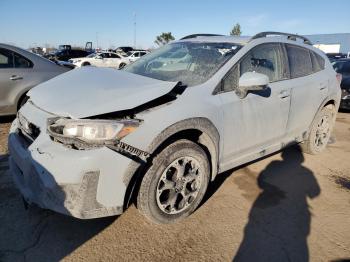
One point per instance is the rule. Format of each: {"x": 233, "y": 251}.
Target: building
{"x": 331, "y": 43}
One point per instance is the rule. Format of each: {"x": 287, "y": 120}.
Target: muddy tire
{"x": 175, "y": 184}
{"x": 320, "y": 131}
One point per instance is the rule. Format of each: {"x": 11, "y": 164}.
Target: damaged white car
{"x": 92, "y": 141}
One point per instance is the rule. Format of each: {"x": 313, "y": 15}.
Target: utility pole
{"x": 135, "y": 30}
{"x": 96, "y": 40}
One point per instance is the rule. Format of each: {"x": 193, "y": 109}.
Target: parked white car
{"x": 102, "y": 59}
{"x": 131, "y": 57}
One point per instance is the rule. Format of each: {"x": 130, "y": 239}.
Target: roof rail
{"x": 196, "y": 35}
{"x": 289, "y": 36}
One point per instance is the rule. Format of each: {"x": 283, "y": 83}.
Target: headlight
{"x": 92, "y": 130}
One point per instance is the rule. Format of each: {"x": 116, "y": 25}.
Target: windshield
{"x": 189, "y": 62}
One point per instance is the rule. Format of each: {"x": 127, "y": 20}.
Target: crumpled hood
{"x": 91, "y": 91}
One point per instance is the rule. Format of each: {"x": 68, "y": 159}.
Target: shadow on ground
{"x": 36, "y": 234}
{"x": 280, "y": 217}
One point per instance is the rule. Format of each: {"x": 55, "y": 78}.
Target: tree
{"x": 164, "y": 38}
{"x": 236, "y": 30}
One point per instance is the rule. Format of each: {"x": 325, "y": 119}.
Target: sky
{"x": 28, "y": 23}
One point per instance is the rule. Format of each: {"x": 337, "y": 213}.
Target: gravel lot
{"x": 287, "y": 207}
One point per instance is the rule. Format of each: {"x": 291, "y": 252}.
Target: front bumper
{"x": 79, "y": 183}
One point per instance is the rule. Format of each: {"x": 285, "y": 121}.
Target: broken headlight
{"x": 95, "y": 131}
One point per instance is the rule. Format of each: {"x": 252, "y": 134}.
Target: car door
{"x": 15, "y": 76}
{"x": 309, "y": 87}
{"x": 114, "y": 60}
{"x": 259, "y": 120}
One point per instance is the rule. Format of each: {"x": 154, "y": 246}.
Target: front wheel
{"x": 320, "y": 131}
{"x": 175, "y": 184}
{"x": 122, "y": 65}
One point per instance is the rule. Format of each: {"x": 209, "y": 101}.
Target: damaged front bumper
{"x": 80, "y": 183}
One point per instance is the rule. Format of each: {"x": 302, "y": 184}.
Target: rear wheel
{"x": 320, "y": 131}
{"x": 175, "y": 184}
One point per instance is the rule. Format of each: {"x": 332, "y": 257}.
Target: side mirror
{"x": 250, "y": 81}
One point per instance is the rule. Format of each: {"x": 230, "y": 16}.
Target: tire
{"x": 187, "y": 188}
{"x": 85, "y": 64}
{"x": 122, "y": 65}
{"x": 320, "y": 131}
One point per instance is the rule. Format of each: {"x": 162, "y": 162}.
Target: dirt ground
{"x": 287, "y": 207}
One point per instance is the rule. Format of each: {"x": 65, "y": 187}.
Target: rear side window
{"x": 6, "y": 58}
{"x": 299, "y": 61}
{"x": 317, "y": 62}
{"x": 21, "y": 62}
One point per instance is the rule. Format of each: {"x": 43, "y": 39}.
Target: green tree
{"x": 164, "y": 38}
{"x": 236, "y": 30}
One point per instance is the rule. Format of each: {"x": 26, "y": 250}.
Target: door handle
{"x": 15, "y": 77}
{"x": 322, "y": 87}
{"x": 284, "y": 94}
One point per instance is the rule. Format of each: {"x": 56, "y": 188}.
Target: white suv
{"x": 90, "y": 140}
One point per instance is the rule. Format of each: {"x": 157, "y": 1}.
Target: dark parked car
{"x": 342, "y": 66}
{"x": 66, "y": 54}
{"x": 124, "y": 49}
{"x": 335, "y": 56}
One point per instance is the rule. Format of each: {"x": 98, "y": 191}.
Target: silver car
{"x": 21, "y": 70}
{"x": 90, "y": 142}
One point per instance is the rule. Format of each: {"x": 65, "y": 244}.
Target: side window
{"x": 299, "y": 61}
{"x": 114, "y": 55}
{"x": 231, "y": 80}
{"x": 6, "y": 58}
{"x": 137, "y": 54}
{"x": 21, "y": 62}
{"x": 264, "y": 59}
{"x": 317, "y": 62}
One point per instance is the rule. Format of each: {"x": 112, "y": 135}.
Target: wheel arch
{"x": 198, "y": 130}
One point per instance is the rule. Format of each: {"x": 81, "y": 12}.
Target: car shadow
{"x": 36, "y": 234}
{"x": 6, "y": 119}
{"x": 280, "y": 217}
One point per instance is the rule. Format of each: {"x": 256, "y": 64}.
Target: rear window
{"x": 317, "y": 62}
{"x": 21, "y": 62}
{"x": 6, "y": 59}
{"x": 299, "y": 61}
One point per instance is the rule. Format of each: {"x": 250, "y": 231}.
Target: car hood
{"x": 91, "y": 91}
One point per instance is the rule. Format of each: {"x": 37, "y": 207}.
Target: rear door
{"x": 15, "y": 76}
{"x": 309, "y": 87}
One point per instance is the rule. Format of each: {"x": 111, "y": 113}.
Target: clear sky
{"x": 38, "y": 22}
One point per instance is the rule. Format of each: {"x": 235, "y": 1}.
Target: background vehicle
{"x": 162, "y": 135}
{"x": 335, "y": 56}
{"x": 66, "y": 54}
{"x": 103, "y": 59}
{"x": 124, "y": 49}
{"x": 21, "y": 70}
{"x": 342, "y": 66}
{"x": 132, "y": 56}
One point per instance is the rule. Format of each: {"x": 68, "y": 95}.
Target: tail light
{"x": 339, "y": 78}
